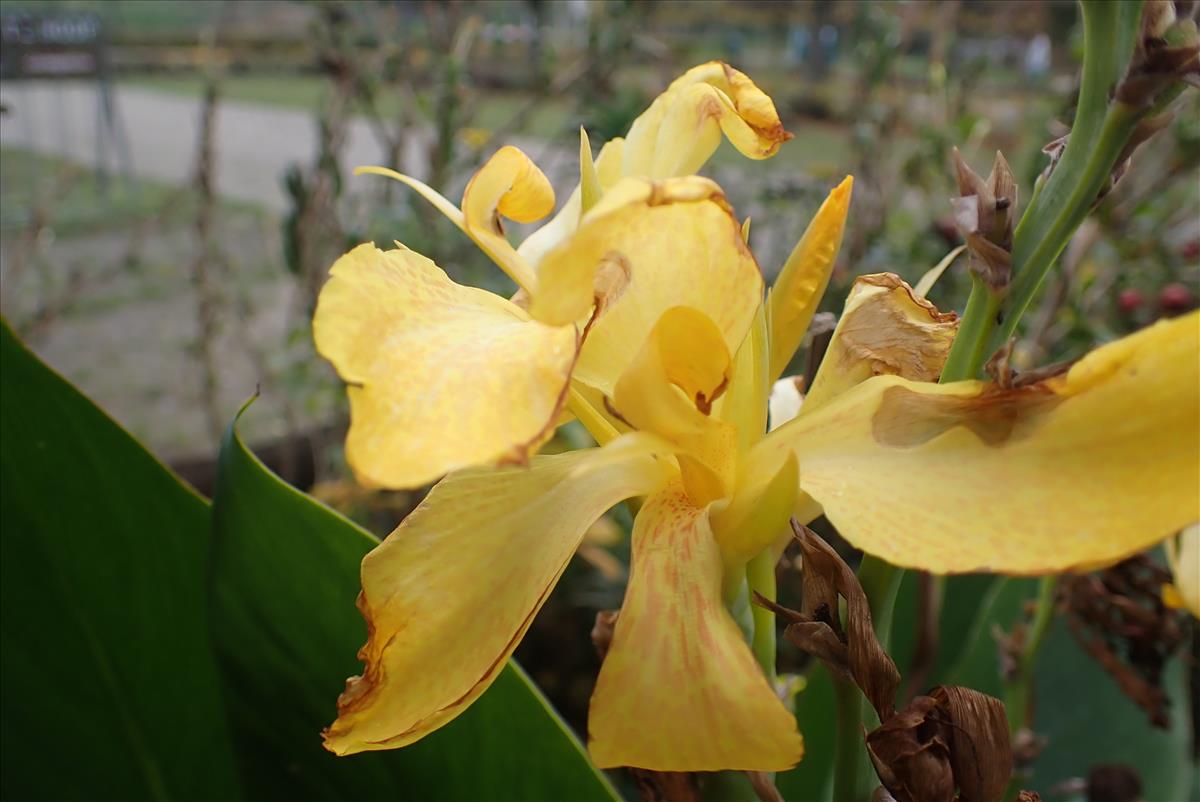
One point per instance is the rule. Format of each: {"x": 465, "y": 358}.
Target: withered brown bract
{"x": 950, "y": 744}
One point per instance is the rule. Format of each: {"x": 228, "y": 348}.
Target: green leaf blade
{"x": 110, "y": 690}
{"x": 285, "y": 579}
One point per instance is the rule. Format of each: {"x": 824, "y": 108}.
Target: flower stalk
{"x": 1099, "y": 141}
{"x": 1104, "y": 134}
{"x": 1018, "y": 692}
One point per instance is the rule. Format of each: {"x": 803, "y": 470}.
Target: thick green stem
{"x": 760, "y": 576}
{"x": 848, "y": 757}
{"x": 1061, "y": 203}
{"x": 967, "y": 352}
{"x": 1119, "y": 124}
{"x": 881, "y": 583}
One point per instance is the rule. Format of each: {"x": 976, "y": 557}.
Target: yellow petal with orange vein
{"x": 675, "y": 136}
{"x": 440, "y": 376}
{"x": 669, "y": 389}
{"x": 656, "y": 244}
{"x": 1072, "y": 472}
{"x": 451, "y": 592}
{"x": 679, "y": 689}
{"x": 885, "y": 329}
{"x": 797, "y": 292}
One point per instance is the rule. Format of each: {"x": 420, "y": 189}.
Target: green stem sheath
{"x": 1018, "y": 692}
{"x": 880, "y": 581}
{"x": 760, "y": 576}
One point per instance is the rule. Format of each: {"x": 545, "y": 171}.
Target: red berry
{"x": 1129, "y": 301}
{"x": 1190, "y": 249}
{"x": 1175, "y": 298}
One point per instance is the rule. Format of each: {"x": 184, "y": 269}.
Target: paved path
{"x": 255, "y": 143}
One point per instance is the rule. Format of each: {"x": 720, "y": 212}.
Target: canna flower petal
{"x": 651, "y": 245}
{"x": 683, "y": 126}
{"x": 885, "y": 329}
{"x": 1183, "y": 555}
{"x": 440, "y": 376}
{"x": 801, "y": 284}
{"x": 675, "y": 136}
{"x": 450, "y": 593}
{"x": 508, "y": 185}
{"x": 745, "y": 403}
{"x": 1071, "y": 472}
{"x": 679, "y": 689}
{"x": 669, "y": 390}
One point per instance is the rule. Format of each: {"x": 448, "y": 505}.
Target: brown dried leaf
{"x": 826, "y": 576}
{"x": 954, "y": 738}
{"x": 979, "y": 744}
{"x": 911, "y": 754}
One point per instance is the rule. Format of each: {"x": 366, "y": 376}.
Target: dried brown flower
{"x": 949, "y": 745}
{"x": 1119, "y": 617}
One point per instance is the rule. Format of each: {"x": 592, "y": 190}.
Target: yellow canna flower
{"x": 646, "y": 317}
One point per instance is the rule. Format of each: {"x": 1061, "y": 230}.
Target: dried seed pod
{"x": 1167, "y": 51}
{"x": 984, "y": 214}
{"x": 1119, "y": 617}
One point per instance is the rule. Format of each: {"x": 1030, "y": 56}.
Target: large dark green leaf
{"x": 285, "y": 580}
{"x": 1088, "y": 720}
{"x": 1079, "y": 707}
{"x": 109, "y": 686}
{"x": 812, "y": 780}
{"x": 1002, "y": 608}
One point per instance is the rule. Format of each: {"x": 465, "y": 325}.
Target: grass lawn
{"x": 79, "y": 200}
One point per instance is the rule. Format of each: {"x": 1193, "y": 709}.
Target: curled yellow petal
{"x": 669, "y": 390}
{"x": 440, "y": 376}
{"x": 451, "y": 592}
{"x": 797, "y": 292}
{"x": 679, "y": 689}
{"x": 683, "y": 126}
{"x": 675, "y": 136}
{"x": 672, "y": 243}
{"x": 1074, "y": 471}
{"x": 1183, "y": 555}
{"x": 508, "y": 185}
{"x": 885, "y": 328}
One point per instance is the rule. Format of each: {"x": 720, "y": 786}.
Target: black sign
{"x": 51, "y": 46}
